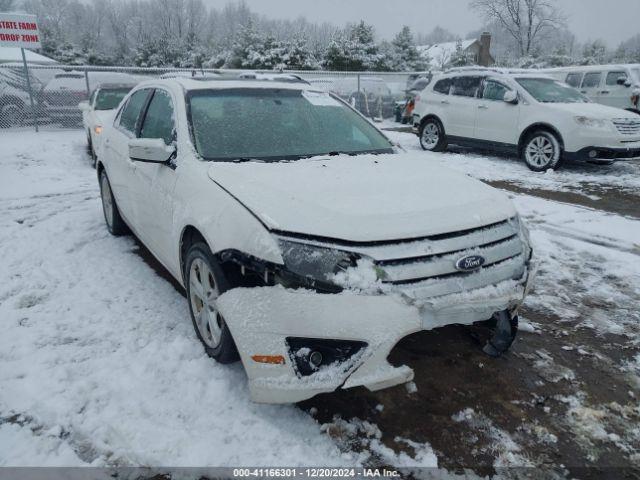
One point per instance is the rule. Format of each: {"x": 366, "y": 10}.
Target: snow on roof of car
{"x": 226, "y": 83}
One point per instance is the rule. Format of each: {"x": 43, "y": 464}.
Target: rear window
{"x": 443, "y": 86}
{"x": 574, "y": 79}
{"x": 466, "y": 86}
{"x": 591, "y": 80}
{"x": 108, "y": 99}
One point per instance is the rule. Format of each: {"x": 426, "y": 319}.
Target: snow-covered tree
{"x": 405, "y": 54}
{"x": 460, "y": 58}
{"x": 594, "y": 53}
{"x": 354, "y": 49}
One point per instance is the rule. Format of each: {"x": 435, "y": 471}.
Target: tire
{"x": 542, "y": 151}
{"x": 205, "y": 282}
{"x": 92, "y": 152}
{"x": 12, "y": 115}
{"x": 432, "y": 136}
{"x": 112, "y": 217}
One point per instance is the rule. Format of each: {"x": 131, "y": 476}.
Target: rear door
{"x": 615, "y": 93}
{"x": 592, "y": 85}
{"x": 574, "y": 79}
{"x": 463, "y": 107}
{"x": 120, "y": 168}
{"x": 154, "y": 182}
{"x": 496, "y": 120}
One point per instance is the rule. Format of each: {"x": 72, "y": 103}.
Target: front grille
{"x": 496, "y": 244}
{"x": 627, "y": 126}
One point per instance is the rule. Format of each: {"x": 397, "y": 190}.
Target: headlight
{"x": 525, "y": 237}
{"x": 318, "y": 263}
{"x": 592, "y": 122}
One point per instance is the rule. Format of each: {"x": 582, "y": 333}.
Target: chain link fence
{"x": 55, "y": 91}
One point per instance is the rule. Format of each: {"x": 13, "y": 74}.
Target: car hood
{"x": 362, "y": 198}
{"x": 103, "y": 117}
{"x": 593, "y": 110}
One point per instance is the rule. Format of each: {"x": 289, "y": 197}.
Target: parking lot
{"x": 101, "y": 365}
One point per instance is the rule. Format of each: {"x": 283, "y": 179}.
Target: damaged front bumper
{"x": 262, "y": 319}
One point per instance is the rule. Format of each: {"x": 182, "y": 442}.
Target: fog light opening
{"x": 593, "y": 154}
{"x": 315, "y": 359}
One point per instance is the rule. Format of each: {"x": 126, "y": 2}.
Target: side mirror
{"x": 84, "y": 106}
{"x": 628, "y": 84}
{"x": 150, "y": 150}
{"x": 511, "y": 97}
{"x": 623, "y": 81}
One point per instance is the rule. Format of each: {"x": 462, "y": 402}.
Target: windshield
{"x": 546, "y": 90}
{"x": 274, "y": 124}
{"x": 110, "y": 98}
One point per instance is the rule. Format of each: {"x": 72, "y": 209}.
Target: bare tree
{"x": 525, "y": 20}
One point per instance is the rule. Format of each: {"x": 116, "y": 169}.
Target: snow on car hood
{"x": 362, "y": 198}
{"x": 593, "y": 110}
{"x": 104, "y": 117}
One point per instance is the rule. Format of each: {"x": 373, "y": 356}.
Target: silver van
{"x": 613, "y": 85}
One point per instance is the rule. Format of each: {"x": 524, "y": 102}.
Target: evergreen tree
{"x": 406, "y": 55}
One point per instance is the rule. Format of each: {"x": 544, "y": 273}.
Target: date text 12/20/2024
{"x": 315, "y": 473}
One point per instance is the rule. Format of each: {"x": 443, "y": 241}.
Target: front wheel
{"x": 205, "y": 282}
{"x": 542, "y": 151}
{"x": 432, "y": 136}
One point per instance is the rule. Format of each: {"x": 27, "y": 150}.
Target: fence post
{"x": 34, "y": 115}
{"x": 86, "y": 81}
{"x": 358, "y": 84}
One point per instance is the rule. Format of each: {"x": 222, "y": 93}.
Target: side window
{"x": 159, "y": 119}
{"x": 443, "y": 86}
{"x": 591, "y": 80}
{"x": 131, "y": 111}
{"x": 494, "y": 90}
{"x": 612, "y": 77}
{"x": 93, "y": 97}
{"x": 466, "y": 86}
{"x": 574, "y": 79}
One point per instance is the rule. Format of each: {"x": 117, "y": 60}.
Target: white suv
{"x": 306, "y": 242}
{"x": 541, "y": 119}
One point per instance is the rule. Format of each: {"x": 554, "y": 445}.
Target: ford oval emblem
{"x": 470, "y": 263}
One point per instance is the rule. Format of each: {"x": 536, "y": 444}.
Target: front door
{"x": 155, "y": 182}
{"x": 496, "y": 120}
{"x": 615, "y": 92}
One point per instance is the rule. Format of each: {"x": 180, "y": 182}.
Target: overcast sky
{"x": 611, "y": 20}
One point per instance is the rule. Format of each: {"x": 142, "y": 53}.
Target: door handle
{"x": 583, "y": 91}
{"x": 605, "y": 92}
{"x": 444, "y": 102}
{"x": 483, "y": 107}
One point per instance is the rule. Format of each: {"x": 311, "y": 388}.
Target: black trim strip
{"x": 412, "y": 260}
{"x": 373, "y": 243}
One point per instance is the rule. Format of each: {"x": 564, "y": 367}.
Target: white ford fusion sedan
{"x": 307, "y": 243}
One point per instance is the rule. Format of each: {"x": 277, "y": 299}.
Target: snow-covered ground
{"x": 101, "y": 366}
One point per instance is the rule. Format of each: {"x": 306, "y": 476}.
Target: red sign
{"x": 19, "y": 30}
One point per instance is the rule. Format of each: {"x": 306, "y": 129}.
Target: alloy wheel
{"x": 107, "y": 201}
{"x": 540, "y": 151}
{"x": 430, "y": 136}
{"x": 203, "y": 293}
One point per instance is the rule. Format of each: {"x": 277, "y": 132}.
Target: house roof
{"x": 440, "y": 53}
{"x": 13, "y": 54}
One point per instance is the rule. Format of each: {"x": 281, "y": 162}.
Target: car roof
{"x": 494, "y": 72}
{"x": 190, "y": 84}
{"x": 593, "y": 68}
